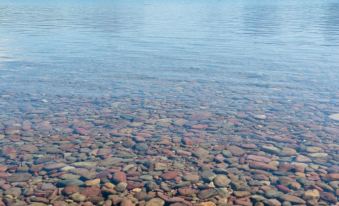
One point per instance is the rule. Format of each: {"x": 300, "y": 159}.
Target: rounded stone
{"x": 19, "y": 177}
{"x": 119, "y": 177}
{"x": 70, "y": 189}
{"x": 92, "y": 182}
{"x": 155, "y": 202}
{"x": 78, "y": 197}
{"x": 221, "y": 181}
{"x": 64, "y": 183}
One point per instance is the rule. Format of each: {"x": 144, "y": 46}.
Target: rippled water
{"x": 94, "y": 62}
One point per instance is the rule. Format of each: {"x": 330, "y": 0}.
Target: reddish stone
{"x": 283, "y": 188}
{"x": 9, "y": 152}
{"x": 5, "y": 186}
{"x": 245, "y": 201}
{"x": 333, "y": 176}
{"x": 201, "y": 116}
{"x": 219, "y": 158}
{"x": 93, "y": 191}
{"x": 4, "y": 175}
{"x": 183, "y": 153}
{"x": 119, "y": 177}
{"x": 169, "y": 175}
{"x": 186, "y": 191}
{"x": 168, "y": 153}
{"x": 132, "y": 185}
{"x": 285, "y": 167}
{"x": 70, "y": 189}
{"x": 187, "y": 141}
{"x": 200, "y": 126}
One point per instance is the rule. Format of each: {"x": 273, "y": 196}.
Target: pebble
{"x": 226, "y": 153}
{"x": 141, "y": 147}
{"x": 155, "y": 202}
{"x": 235, "y": 150}
{"x": 169, "y": 175}
{"x": 191, "y": 177}
{"x": 63, "y": 183}
{"x": 146, "y": 177}
{"x": 160, "y": 166}
{"x": 121, "y": 186}
{"x": 186, "y": 191}
{"x": 292, "y": 199}
{"x": 92, "y": 182}
{"x": 333, "y": 176}
{"x": 314, "y": 149}
{"x": 241, "y": 193}
{"x": 3, "y": 168}
{"x": 19, "y": 177}
{"x": 126, "y": 202}
{"x": 208, "y": 176}
{"x": 85, "y": 164}
{"x": 273, "y": 202}
{"x": 318, "y": 155}
{"x": 262, "y": 165}
{"x": 207, "y": 193}
{"x": 78, "y": 197}
{"x": 259, "y": 158}
{"x": 13, "y": 191}
{"x": 260, "y": 116}
{"x": 327, "y": 196}
{"x": 221, "y": 181}
{"x": 48, "y": 186}
{"x": 37, "y": 204}
{"x": 312, "y": 196}
{"x": 201, "y": 153}
{"x": 119, "y": 177}
{"x": 71, "y": 189}
{"x": 207, "y": 204}
{"x": 271, "y": 149}
{"x": 302, "y": 158}
{"x": 54, "y": 166}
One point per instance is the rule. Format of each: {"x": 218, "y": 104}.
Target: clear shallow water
{"x": 83, "y": 47}
{"x": 66, "y": 65}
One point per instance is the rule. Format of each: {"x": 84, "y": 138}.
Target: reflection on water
{"x": 189, "y": 102}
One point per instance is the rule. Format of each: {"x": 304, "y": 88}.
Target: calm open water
{"x": 110, "y": 63}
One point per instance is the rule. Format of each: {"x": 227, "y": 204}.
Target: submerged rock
{"x": 19, "y": 177}
{"x": 155, "y": 202}
{"x": 221, "y": 181}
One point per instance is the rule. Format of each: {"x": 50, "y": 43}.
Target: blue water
{"x": 82, "y": 47}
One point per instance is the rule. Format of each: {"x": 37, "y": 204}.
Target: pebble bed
{"x": 143, "y": 151}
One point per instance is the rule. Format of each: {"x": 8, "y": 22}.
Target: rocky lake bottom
{"x": 154, "y": 152}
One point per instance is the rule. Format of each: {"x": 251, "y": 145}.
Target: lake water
{"x": 166, "y": 95}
